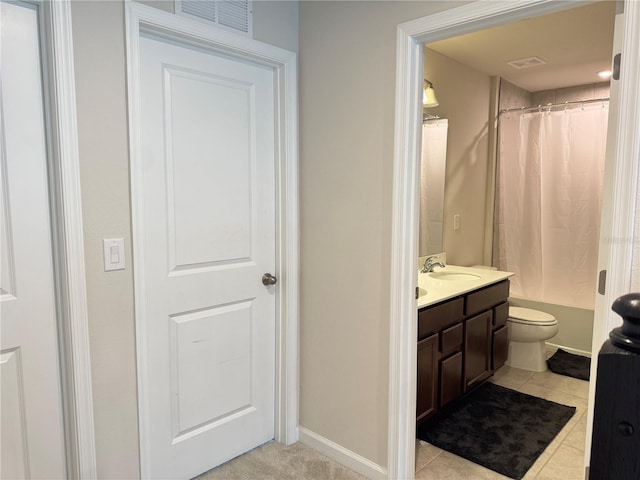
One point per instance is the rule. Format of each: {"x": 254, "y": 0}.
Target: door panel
{"x": 477, "y": 348}
{"x": 32, "y": 443}
{"x": 217, "y": 338}
{"x": 427, "y": 377}
{"x": 200, "y": 155}
{"x": 206, "y": 191}
{"x": 14, "y": 434}
{"x": 450, "y": 378}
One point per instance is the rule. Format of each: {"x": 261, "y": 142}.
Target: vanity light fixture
{"x": 429, "y": 95}
{"x": 605, "y": 74}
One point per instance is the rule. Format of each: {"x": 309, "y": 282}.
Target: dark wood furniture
{"x": 616, "y": 422}
{"x": 461, "y": 342}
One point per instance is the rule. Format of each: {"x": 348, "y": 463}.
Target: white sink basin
{"x": 452, "y": 281}
{"x": 455, "y": 276}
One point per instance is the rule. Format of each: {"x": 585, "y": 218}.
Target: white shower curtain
{"x": 550, "y": 174}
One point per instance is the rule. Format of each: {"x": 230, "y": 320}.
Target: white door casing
{"x": 409, "y": 79}
{"x": 32, "y": 421}
{"x": 602, "y": 322}
{"x": 214, "y": 208}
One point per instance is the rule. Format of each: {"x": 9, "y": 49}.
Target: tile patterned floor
{"x": 562, "y": 460}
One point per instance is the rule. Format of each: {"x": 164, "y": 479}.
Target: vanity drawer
{"x": 451, "y": 340}
{"x": 486, "y": 298}
{"x": 500, "y": 314}
{"x": 433, "y": 319}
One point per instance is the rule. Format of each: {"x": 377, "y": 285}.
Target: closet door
{"x": 32, "y": 443}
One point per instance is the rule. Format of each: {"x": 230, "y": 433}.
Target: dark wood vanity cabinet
{"x": 499, "y": 339}
{"x": 477, "y": 349}
{"x": 427, "y": 376}
{"x": 461, "y": 342}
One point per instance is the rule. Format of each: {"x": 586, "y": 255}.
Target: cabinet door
{"x": 450, "y": 378}
{"x": 500, "y": 347}
{"x": 477, "y": 348}
{"x": 427, "y": 377}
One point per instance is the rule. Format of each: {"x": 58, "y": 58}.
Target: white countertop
{"x": 439, "y": 289}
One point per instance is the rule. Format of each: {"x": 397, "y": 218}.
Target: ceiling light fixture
{"x": 429, "y": 95}
{"x": 605, "y": 74}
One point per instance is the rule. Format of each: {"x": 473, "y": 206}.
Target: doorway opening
{"x": 408, "y": 113}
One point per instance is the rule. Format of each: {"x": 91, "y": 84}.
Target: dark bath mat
{"x": 498, "y": 428}
{"x": 565, "y": 363}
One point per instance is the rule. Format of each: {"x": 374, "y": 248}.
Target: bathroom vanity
{"x": 462, "y": 333}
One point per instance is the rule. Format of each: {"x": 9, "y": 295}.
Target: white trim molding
{"x": 409, "y": 78}
{"x": 69, "y": 242}
{"x": 342, "y": 455}
{"x": 617, "y": 233}
{"x": 141, "y": 19}
{"x": 627, "y": 169}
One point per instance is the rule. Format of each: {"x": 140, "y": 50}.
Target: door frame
{"x": 67, "y": 235}
{"x": 408, "y": 117}
{"x": 140, "y": 19}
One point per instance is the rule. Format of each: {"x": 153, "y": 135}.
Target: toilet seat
{"x": 528, "y": 316}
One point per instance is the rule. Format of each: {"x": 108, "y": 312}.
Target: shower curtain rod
{"x": 553, "y": 105}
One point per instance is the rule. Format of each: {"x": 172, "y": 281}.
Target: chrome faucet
{"x": 429, "y": 264}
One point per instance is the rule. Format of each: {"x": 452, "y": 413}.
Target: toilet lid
{"x": 527, "y": 315}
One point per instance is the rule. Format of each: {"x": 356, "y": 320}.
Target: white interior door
{"x": 602, "y": 311}
{"x": 31, "y": 407}
{"x": 206, "y": 187}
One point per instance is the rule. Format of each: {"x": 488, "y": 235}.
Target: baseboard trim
{"x": 551, "y": 346}
{"x": 342, "y": 455}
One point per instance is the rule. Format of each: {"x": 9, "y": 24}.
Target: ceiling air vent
{"x": 526, "y": 62}
{"x": 234, "y": 15}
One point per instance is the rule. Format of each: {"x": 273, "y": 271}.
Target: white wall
{"x": 104, "y": 166}
{"x": 99, "y": 53}
{"x": 347, "y": 102}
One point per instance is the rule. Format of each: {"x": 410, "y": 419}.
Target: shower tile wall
{"x": 512, "y": 96}
{"x": 591, "y": 91}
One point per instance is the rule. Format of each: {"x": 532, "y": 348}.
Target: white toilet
{"x": 528, "y": 330}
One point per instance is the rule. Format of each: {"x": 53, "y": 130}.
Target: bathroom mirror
{"x": 432, "y": 174}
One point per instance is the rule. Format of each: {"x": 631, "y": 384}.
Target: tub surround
{"x": 576, "y": 325}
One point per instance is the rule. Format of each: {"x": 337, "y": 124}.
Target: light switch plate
{"x": 113, "y": 254}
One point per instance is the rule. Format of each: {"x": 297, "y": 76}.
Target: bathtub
{"x": 576, "y": 325}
